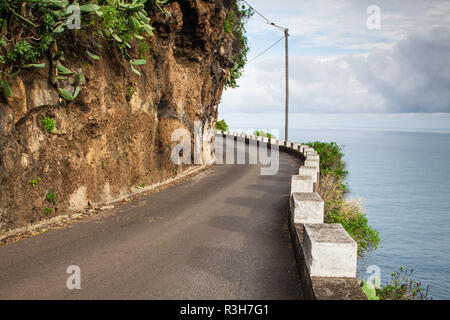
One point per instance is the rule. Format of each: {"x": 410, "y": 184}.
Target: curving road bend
{"x": 220, "y": 235}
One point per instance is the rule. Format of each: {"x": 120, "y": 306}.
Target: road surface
{"x": 220, "y": 235}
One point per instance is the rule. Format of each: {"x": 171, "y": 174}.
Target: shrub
{"x": 49, "y": 124}
{"x": 403, "y": 287}
{"x": 234, "y": 24}
{"x": 350, "y": 213}
{"x": 261, "y": 133}
{"x": 338, "y": 209}
{"x": 330, "y": 158}
{"x": 51, "y": 196}
{"x": 221, "y": 125}
{"x": 130, "y": 92}
{"x": 33, "y": 182}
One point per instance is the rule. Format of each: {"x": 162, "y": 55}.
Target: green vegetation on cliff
{"x": 338, "y": 209}
{"x": 234, "y": 25}
{"x": 349, "y": 212}
{"x": 32, "y": 30}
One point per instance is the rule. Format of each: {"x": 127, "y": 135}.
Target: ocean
{"x": 399, "y": 165}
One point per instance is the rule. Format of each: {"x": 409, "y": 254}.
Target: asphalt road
{"x": 220, "y": 235}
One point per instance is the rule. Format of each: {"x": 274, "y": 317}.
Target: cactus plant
{"x": 118, "y": 21}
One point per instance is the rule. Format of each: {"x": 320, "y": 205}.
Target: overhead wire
{"x": 268, "y": 22}
{"x": 262, "y": 16}
{"x": 265, "y": 50}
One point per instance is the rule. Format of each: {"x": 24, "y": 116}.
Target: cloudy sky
{"x": 339, "y": 65}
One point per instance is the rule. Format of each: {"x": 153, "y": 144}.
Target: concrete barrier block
{"x": 309, "y": 171}
{"x": 301, "y": 183}
{"x": 303, "y": 147}
{"x": 307, "y": 207}
{"x": 329, "y": 251}
{"x": 313, "y": 157}
{"x": 281, "y": 142}
{"x": 296, "y": 146}
{"x": 312, "y": 163}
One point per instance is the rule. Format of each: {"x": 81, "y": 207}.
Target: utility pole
{"x": 286, "y": 35}
{"x": 286, "y": 122}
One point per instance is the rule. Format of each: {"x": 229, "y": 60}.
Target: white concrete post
{"x": 301, "y": 183}
{"x": 307, "y": 207}
{"x": 309, "y": 171}
{"x": 329, "y": 251}
{"x": 312, "y": 163}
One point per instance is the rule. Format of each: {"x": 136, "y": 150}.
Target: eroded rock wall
{"x": 103, "y": 144}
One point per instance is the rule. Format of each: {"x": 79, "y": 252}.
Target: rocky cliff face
{"x": 108, "y": 140}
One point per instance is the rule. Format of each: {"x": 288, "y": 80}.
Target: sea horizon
{"x": 438, "y": 122}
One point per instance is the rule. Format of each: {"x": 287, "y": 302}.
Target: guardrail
{"x": 325, "y": 253}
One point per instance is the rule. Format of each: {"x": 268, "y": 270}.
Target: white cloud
{"x": 342, "y": 24}
{"x": 338, "y": 65}
{"x": 413, "y": 76}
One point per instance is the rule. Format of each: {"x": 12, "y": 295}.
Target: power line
{"x": 265, "y": 50}
{"x": 286, "y": 36}
{"x": 262, "y": 16}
